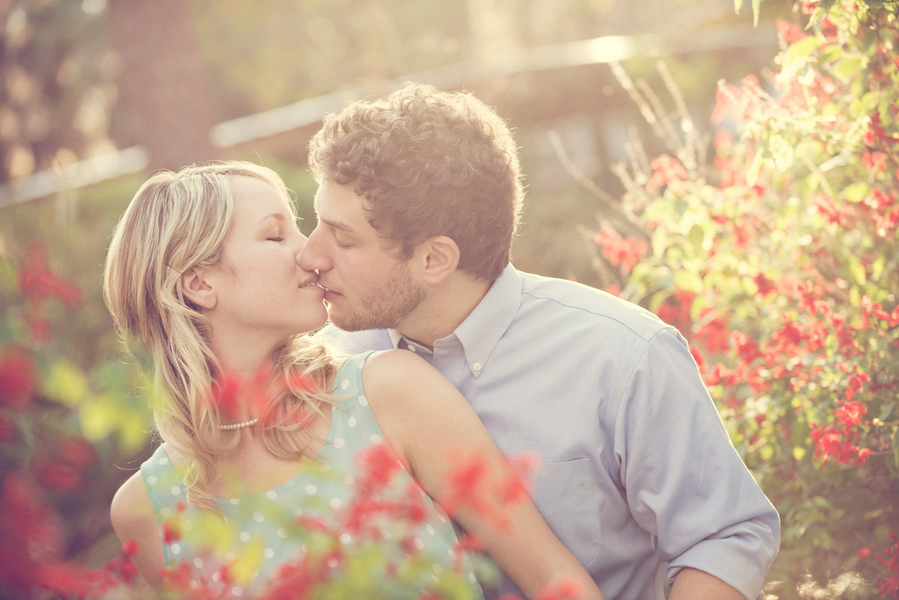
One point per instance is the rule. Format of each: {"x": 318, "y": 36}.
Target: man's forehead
{"x": 337, "y": 208}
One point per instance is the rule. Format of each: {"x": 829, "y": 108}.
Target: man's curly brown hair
{"x": 429, "y": 163}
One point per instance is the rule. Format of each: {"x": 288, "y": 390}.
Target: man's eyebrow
{"x": 337, "y": 224}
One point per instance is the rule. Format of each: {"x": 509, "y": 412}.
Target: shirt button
{"x": 410, "y": 348}
{"x": 476, "y": 366}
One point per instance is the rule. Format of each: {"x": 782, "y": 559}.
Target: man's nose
{"x": 311, "y": 256}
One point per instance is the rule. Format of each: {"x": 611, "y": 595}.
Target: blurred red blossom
{"x": 625, "y": 252}
{"x": 666, "y": 171}
{"x": 18, "y": 379}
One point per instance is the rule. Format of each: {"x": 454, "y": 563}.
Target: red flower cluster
{"x": 625, "y": 252}
{"x": 839, "y": 441}
{"x": 675, "y": 310}
{"x": 39, "y": 284}
{"x": 789, "y": 32}
{"x": 31, "y": 548}
{"x": 666, "y": 171}
{"x": 888, "y": 558}
{"x": 18, "y": 380}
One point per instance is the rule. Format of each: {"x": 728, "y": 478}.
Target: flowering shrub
{"x": 779, "y": 263}
{"x": 53, "y": 484}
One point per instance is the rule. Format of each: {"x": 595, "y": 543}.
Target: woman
{"x": 203, "y": 269}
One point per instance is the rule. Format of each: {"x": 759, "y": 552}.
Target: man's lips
{"x": 329, "y": 293}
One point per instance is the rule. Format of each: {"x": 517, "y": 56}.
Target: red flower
{"x": 466, "y": 482}
{"x": 171, "y": 531}
{"x": 875, "y": 161}
{"x": 620, "y": 251}
{"x": 380, "y": 464}
{"x": 850, "y": 413}
{"x": 566, "y": 589}
{"x": 60, "y": 477}
{"x": 77, "y": 451}
{"x": 789, "y": 32}
{"x": 721, "y": 375}
{"x": 225, "y": 393}
{"x": 666, "y": 171}
{"x": 18, "y": 379}
{"x": 9, "y": 433}
{"x": 37, "y": 281}
{"x": 765, "y": 285}
{"x": 302, "y": 382}
{"x": 713, "y": 331}
{"x": 130, "y": 548}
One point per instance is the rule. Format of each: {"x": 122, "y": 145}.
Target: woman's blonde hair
{"x": 176, "y": 222}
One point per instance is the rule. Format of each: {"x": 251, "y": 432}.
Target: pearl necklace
{"x": 249, "y": 423}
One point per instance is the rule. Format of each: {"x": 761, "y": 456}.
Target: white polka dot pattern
{"x": 265, "y": 523}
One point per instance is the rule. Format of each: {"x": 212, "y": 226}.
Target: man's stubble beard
{"x": 386, "y": 307}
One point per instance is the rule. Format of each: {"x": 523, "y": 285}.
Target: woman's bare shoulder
{"x": 131, "y": 502}
{"x": 397, "y": 370}
{"x": 133, "y": 519}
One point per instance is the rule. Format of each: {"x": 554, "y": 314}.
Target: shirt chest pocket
{"x": 567, "y": 496}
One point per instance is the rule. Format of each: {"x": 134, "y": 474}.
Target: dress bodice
{"x": 335, "y": 511}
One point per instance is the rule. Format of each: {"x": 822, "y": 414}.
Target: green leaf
{"x": 688, "y": 281}
{"x": 752, "y": 175}
{"x": 877, "y": 268}
{"x": 885, "y": 413}
{"x": 857, "y": 270}
{"x": 804, "y": 47}
{"x": 856, "y": 192}
{"x": 756, "y": 9}
{"x": 896, "y": 446}
{"x": 132, "y": 431}
{"x": 99, "y": 418}
{"x": 848, "y": 67}
{"x": 8, "y": 277}
{"x": 819, "y": 13}
{"x": 697, "y": 238}
{"x": 66, "y": 384}
{"x": 781, "y": 152}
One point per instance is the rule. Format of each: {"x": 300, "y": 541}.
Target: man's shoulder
{"x": 588, "y": 305}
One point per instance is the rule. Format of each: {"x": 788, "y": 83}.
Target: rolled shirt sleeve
{"x": 684, "y": 481}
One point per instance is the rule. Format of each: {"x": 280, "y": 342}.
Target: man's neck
{"x": 445, "y": 309}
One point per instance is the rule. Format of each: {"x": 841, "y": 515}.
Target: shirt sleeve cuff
{"x": 740, "y": 556}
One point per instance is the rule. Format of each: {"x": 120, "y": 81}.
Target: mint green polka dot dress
{"x": 382, "y": 555}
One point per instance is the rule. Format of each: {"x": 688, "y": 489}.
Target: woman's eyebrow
{"x": 278, "y": 216}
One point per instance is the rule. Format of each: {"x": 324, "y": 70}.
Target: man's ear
{"x": 197, "y": 289}
{"x": 438, "y": 257}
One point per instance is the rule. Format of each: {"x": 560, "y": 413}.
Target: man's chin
{"x": 354, "y": 322}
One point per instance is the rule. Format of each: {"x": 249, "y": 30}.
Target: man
{"x": 418, "y": 202}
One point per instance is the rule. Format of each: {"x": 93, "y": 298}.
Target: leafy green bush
{"x": 779, "y": 264}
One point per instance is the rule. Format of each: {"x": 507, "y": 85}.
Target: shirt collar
{"x": 481, "y": 331}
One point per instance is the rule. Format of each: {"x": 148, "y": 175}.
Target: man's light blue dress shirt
{"x": 638, "y": 477}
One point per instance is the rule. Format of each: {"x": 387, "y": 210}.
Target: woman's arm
{"x": 133, "y": 519}
{"x": 425, "y": 418}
